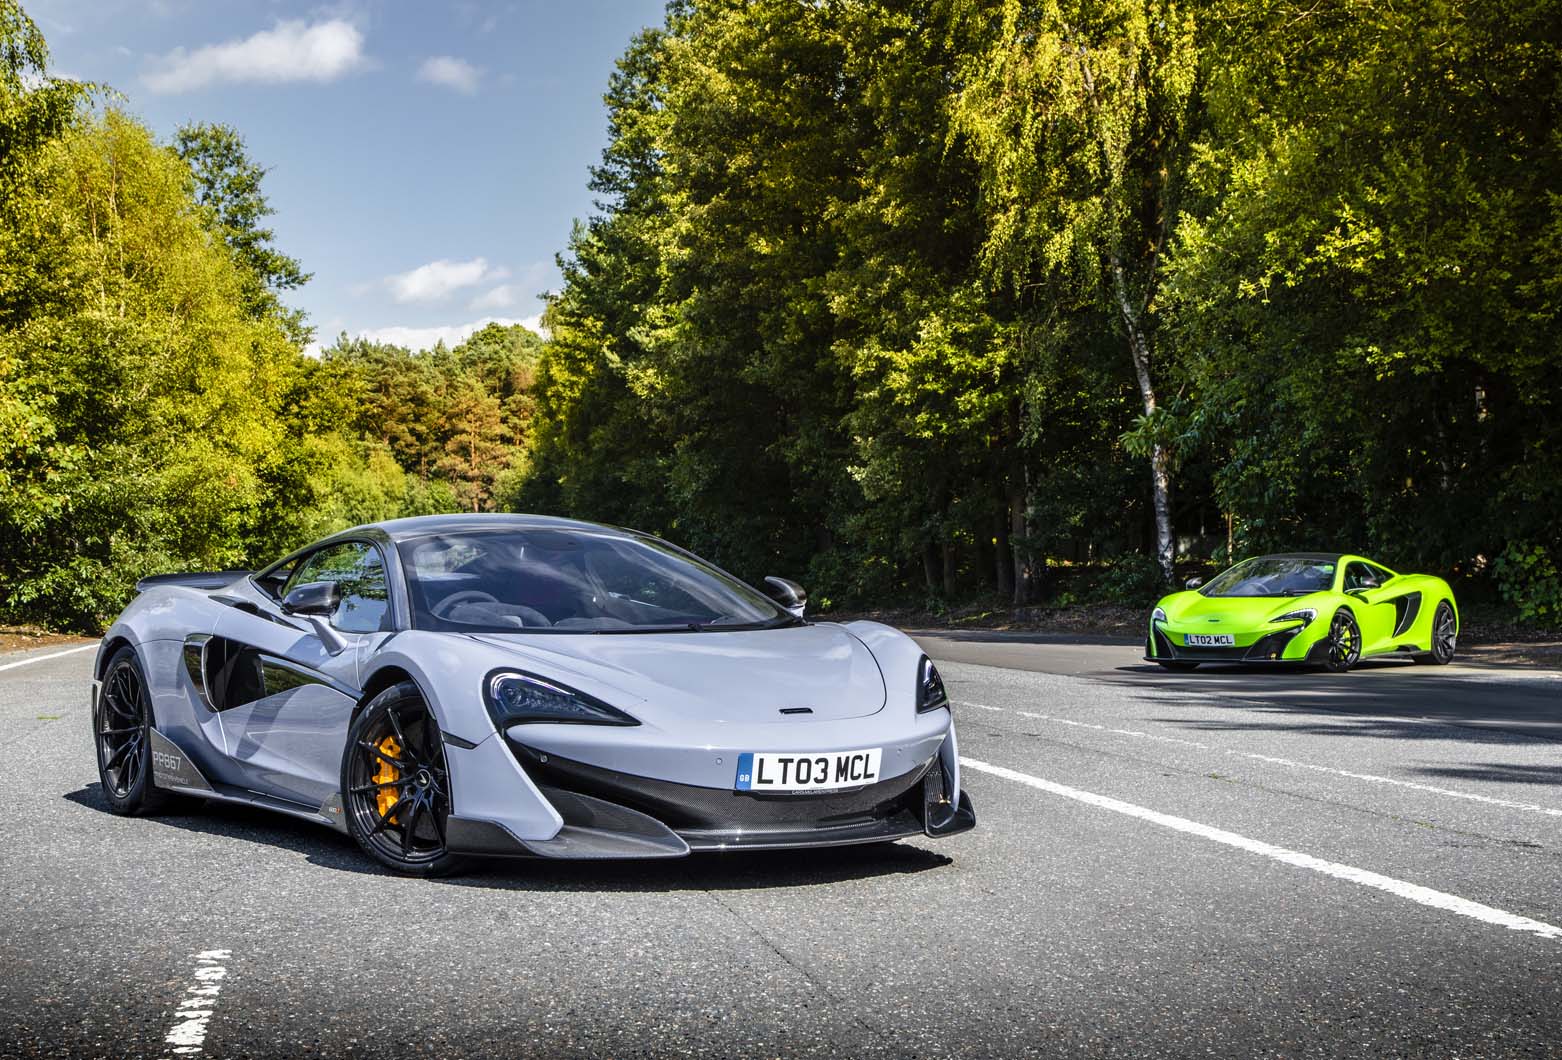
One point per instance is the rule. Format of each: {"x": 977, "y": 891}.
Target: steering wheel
{"x": 465, "y": 596}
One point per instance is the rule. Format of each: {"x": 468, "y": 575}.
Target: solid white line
{"x": 1371, "y": 778}
{"x": 1414, "y": 892}
{"x": 188, "y": 1034}
{"x": 51, "y": 655}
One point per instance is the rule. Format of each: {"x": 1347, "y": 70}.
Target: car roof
{"x": 427, "y": 525}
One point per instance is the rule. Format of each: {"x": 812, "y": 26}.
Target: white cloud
{"x": 450, "y": 72}
{"x": 502, "y": 297}
{"x": 431, "y": 282}
{"x": 449, "y": 334}
{"x": 292, "y": 50}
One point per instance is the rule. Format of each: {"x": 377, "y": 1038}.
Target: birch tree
{"x": 1078, "y": 114}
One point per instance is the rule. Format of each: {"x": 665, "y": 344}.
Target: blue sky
{"x": 427, "y": 159}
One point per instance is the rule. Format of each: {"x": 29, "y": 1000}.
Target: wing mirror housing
{"x": 1193, "y": 583}
{"x": 317, "y": 602}
{"x": 787, "y": 593}
{"x": 313, "y": 599}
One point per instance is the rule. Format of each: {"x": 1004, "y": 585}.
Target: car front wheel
{"x": 396, "y": 784}
{"x": 1344, "y": 643}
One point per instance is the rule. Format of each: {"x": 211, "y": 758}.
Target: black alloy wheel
{"x": 120, "y": 726}
{"x": 1344, "y": 641}
{"x": 1445, "y": 636}
{"x": 396, "y": 784}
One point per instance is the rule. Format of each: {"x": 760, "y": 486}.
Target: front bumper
{"x": 1289, "y": 645}
{"x": 610, "y": 814}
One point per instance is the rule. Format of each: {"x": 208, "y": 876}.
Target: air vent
{"x": 797, "y": 710}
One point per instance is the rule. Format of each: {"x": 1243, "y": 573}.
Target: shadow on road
{"x": 1400, "y": 698}
{"x": 1511, "y": 773}
{"x": 759, "y": 869}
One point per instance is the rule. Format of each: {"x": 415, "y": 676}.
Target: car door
{"x": 1375, "y": 610}
{"x": 287, "y": 699}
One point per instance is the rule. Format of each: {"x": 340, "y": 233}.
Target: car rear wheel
{"x": 396, "y": 784}
{"x": 1344, "y": 643}
{"x": 1445, "y": 636}
{"x": 120, "y": 726}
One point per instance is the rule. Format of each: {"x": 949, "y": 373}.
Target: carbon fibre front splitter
{"x": 613, "y": 815}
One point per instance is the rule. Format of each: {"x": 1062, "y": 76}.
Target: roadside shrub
{"x": 1528, "y": 579}
{"x": 1133, "y": 578}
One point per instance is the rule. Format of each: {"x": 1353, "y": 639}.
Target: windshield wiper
{"x": 742, "y": 627}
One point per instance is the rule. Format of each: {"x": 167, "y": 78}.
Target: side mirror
{"x": 313, "y": 599}
{"x": 317, "y": 601}
{"x": 788, "y": 594}
{"x": 1193, "y": 583}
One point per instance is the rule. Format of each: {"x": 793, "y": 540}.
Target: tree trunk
{"x": 1024, "y": 580}
{"x": 951, "y": 561}
{"x": 930, "y": 567}
{"x": 1003, "y": 558}
{"x": 1160, "y": 459}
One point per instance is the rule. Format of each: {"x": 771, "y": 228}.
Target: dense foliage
{"x": 156, "y": 410}
{"x": 915, "y": 299}
{"x": 934, "y": 295}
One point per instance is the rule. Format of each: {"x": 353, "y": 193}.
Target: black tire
{"x": 1177, "y": 667}
{"x": 1445, "y": 637}
{"x": 120, "y": 726}
{"x": 396, "y": 784}
{"x": 1344, "y": 642}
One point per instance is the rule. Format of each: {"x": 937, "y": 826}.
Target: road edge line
{"x": 1414, "y": 892}
{"x": 45, "y": 658}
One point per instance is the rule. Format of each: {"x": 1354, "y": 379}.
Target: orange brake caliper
{"x": 385, "y": 798}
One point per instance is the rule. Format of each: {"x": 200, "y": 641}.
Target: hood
{"x": 1238, "y": 610}
{"x": 748, "y": 675}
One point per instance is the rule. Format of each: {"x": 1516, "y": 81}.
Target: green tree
{"x": 228, "y": 185}
{"x": 1080, "y": 114}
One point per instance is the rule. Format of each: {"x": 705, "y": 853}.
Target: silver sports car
{"x": 514, "y": 685}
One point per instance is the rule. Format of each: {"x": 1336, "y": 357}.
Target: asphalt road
{"x": 1217, "y": 864}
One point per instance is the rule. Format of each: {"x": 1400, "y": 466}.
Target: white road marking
{"x": 1413, "y": 891}
{"x": 1371, "y": 778}
{"x": 188, "y": 1034}
{"x": 51, "y": 655}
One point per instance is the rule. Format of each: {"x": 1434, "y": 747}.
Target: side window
{"x": 356, "y": 567}
{"x": 1361, "y": 576}
{"x": 274, "y": 582}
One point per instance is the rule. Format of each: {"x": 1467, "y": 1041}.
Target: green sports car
{"x": 1305, "y": 607}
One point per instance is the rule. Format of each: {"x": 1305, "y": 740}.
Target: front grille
{"x": 1182, "y": 651}
{"x": 1268, "y": 648}
{"x": 687, "y": 806}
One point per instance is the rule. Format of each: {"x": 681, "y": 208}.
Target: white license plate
{"x": 793, "y": 771}
{"x": 1210, "y": 640}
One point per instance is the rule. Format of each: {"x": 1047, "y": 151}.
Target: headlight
{"x": 1158, "y": 615}
{"x": 1303, "y": 615}
{"x": 515, "y": 698}
{"x": 930, "y": 688}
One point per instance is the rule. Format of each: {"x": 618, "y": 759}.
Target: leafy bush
{"x": 1528, "y": 579}
{"x": 1133, "y": 578}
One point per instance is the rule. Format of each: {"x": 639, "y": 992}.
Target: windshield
{"x": 572, "y": 581}
{"x": 1274, "y": 576}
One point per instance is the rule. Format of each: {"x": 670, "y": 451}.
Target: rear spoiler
{"x": 206, "y": 579}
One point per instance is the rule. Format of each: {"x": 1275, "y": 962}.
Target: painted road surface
{"x": 1223, "y": 863}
